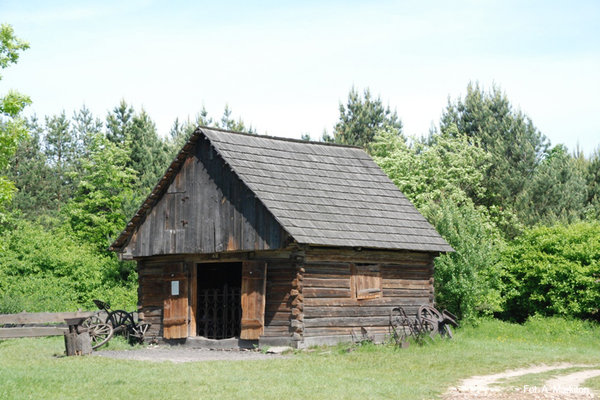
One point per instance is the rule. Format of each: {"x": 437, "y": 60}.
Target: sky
{"x": 284, "y": 67}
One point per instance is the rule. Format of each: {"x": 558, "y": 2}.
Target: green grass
{"x": 29, "y": 368}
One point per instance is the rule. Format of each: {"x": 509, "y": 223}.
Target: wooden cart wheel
{"x": 119, "y": 319}
{"x": 446, "y": 331}
{"x": 429, "y": 318}
{"x": 100, "y": 334}
{"x": 91, "y": 321}
{"x": 138, "y": 332}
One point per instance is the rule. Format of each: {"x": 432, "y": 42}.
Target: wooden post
{"x": 77, "y": 340}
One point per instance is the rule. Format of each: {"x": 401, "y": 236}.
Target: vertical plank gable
{"x": 206, "y": 209}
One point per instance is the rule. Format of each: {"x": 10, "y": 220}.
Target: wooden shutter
{"x": 367, "y": 281}
{"x": 175, "y": 309}
{"x": 253, "y": 299}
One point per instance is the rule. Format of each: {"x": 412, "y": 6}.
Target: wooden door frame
{"x": 193, "y": 267}
{"x": 193, "y": 298}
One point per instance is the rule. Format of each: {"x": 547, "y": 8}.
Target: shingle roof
{"x": 323, "y": 194}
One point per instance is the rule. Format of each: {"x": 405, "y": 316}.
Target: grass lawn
{"x": 31, "y": 369}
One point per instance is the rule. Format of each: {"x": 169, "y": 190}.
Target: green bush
{"x": 553, "y": 271}
{"x": 466, "y": 281}
{"x": 45, "y": 269}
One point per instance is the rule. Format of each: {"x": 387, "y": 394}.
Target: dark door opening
{"x": 219, "y": 300}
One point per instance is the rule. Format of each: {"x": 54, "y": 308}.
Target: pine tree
{"x": 509, "y": 136}
{"x": 229, "y": 123}
{"x": 60, "y": 153}
{"x": 593, "y": 184}
{"x": 31, "y": 174}
{"x": 148, "y": 154}
{"x": 362, "y": 118}
{"x": 119, "y": 123}
{"x": 557, "y": 191}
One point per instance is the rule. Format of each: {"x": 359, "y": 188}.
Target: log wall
{"x": 330, "y": 304}
{"x": 311, "y": 296}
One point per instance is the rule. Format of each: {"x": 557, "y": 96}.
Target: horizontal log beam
{"x": 41, "y": 318}
{"x": 8, "y": 333}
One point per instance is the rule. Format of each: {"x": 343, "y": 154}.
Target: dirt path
{"x": 567, "y": 386}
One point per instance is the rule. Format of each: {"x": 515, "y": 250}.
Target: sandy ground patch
{"x": 563, "y": 387}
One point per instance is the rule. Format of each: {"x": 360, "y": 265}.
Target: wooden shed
{"x": 277, "y": 241}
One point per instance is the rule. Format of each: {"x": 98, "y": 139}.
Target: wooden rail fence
{"x": 26, "y": 324}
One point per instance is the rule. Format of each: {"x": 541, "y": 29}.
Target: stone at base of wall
{"x": 198, "y": 342}
{"x": 277, "y": 341}
{"x": 335, "y": 339}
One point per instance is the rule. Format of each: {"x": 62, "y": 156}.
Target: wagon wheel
{"x": 138, "y": 332}
{"x": 445, "y": 331}
{"x": 90, "y": 321}
{"x": 119, "y": 319}
{"x": 448, "y": 320}
{"x": 100, "y": 334}
{"x": 397, "y": 318}
{"x": 429, "y": 319}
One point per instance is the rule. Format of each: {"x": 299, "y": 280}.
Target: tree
{"x": 181, "y": 131}
{"x": 148, "y": 154}
{"x": 119, "y": 123}
{"x": 467, "y": 282}
{"x": 515, "y": 144}
{"x": 440, "y": 176}
{"x": 362, "y": 118}
{"x": 227, "y": 122}
{"x": 85, "y": 127}
{"x": 593, "y": 185}
{"x": 553, "y": 271}
{"x": 12, "y": 126}
{"x": 61, "y": 155}
{"x": 96, "y": 213}
{"x": 33, "y": 177}
{"x": 557, "y": 191}
{"x": 448, "y": 167}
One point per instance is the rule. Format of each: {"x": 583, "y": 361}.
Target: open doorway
{"x": 219, "y": 300}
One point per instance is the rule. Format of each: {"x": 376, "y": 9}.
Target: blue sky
{"x": 284, "y": 67}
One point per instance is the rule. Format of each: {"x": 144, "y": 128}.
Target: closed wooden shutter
{"x": 253, "y": 299}
{"x": 175, "y": 308}
{"x": 367, "y": 281}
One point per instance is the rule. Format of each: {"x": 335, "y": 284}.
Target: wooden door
{"x": 254, "y": 284}
{"x": 175, "y": 308}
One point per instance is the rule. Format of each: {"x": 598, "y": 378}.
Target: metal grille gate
{"x": 220, "y": 312}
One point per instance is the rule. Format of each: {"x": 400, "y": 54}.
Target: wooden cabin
{"x": 277, "y": 241}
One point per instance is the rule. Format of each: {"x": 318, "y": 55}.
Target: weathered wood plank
{"x": 206, "y": 209}
{"x": 41, "y": 318}
{"x": 406, "y": 283}
{"x": 325, "y": 292}
{"x": 392, "y": 293}
{"x": 327, "y": 283}
{"x": 333, "y": 269}
{"x": 337, "y": 302}
{"x": 367, "y": 256}
{"x": 352, "y": 331}
{"x": 7, "y": 333}
{"x": 349, "y": 311}
{"x": 347, "y": 321}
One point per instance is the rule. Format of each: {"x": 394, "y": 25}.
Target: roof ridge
{"x": 279, "y": 138}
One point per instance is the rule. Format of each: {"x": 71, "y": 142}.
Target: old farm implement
{"x": 116, "y": 322}
{"x": 428, "y": 322}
